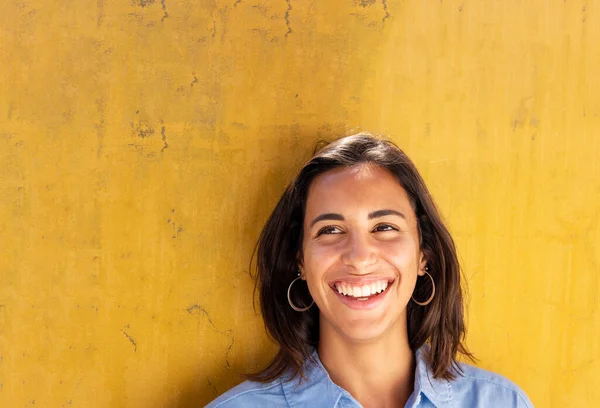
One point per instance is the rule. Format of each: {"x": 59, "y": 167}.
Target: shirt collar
{"x": 437, "y": 390}
{"x": 319, "y": 390}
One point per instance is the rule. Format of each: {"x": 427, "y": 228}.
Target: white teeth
{"x": 360, "y": 292}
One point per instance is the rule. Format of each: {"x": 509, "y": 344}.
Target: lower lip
{"x": 370, "y": 303}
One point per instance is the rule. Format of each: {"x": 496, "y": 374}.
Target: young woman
{"x": 360, "y": 287}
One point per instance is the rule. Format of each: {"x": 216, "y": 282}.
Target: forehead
{"x": 353, "y": 189}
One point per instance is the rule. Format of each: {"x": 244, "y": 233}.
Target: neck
{"x": 378, "y": 373}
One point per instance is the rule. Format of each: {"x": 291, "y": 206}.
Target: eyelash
{"x": 376, "y": 229}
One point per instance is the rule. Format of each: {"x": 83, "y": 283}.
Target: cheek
{"x": 403, "y": 254}
{"x": 406, "y": 262}
{"x": 317, "y": 258}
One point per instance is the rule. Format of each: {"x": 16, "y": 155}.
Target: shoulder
{"x": 251, "y": 394}
{"x": 485, "y": 387}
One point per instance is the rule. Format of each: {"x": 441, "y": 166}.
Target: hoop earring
{"x": 296, "y": 308}
{"x": 428, "y": 301}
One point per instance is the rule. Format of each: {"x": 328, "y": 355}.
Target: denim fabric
{"x": 474, "y": 388}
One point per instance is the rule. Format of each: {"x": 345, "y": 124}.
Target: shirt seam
{"x": 437, "y": 398}
{"x": 501, "y": 385}
{"x": 523, "y": 400}
{"x": 337, "y": 400}
{"x": 245, "y": 392}
{"x": 285, "y": 394}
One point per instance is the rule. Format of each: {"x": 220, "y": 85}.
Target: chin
{"x": 368, "y": 330}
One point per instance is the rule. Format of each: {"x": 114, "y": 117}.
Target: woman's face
{"x": 361, "y": 253}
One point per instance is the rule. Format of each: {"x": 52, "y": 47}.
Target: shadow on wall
{"x": 272, "y": 165}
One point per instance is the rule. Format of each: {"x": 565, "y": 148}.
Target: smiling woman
{"x": 379, "y": 321}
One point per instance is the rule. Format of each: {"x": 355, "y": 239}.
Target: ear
{"x": 302, "y": 274}
{"x": 422, "y": 264}
{"x": 300, "y": 266}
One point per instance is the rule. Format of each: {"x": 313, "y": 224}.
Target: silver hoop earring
{"x": 296, "y": 308}
{"x": 428, "y": 301}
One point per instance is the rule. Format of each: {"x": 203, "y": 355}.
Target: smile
{"x": 362, "y": 294}
{"x": 362, "y": 291}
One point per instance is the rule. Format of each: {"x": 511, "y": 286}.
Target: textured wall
{"x": 143, "y": 144}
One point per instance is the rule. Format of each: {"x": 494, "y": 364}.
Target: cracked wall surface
{"x": 144, "y": 142}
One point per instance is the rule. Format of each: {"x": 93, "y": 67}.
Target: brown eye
{"x": 384, "y": 227}
{"x": 330, "y": 229}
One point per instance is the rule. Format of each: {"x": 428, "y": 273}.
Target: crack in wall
{"x": 164, "y": 7}
{"x": 229, "y": 349}
{"x": 387, "y": 14}
{"x": 163, "y": 135}
{"x": 213, "y": 387}
{"x": 131, "y": 340}
{"x": 196, "y": 310}
{"x": 287, "y": 18}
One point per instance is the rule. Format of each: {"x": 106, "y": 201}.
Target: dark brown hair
{"x": 440, "y": 323}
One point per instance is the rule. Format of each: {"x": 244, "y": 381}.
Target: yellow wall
{"x": 143, "y": 144}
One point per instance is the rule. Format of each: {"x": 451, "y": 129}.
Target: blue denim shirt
{"x": 475, "y": 388}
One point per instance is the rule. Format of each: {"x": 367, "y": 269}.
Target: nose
{"x": 359, "y": 252}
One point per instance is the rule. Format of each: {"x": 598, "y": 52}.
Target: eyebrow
{"x": 340, "y": 217}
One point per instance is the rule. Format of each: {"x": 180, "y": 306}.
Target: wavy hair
{"x": 440, "y": 323}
